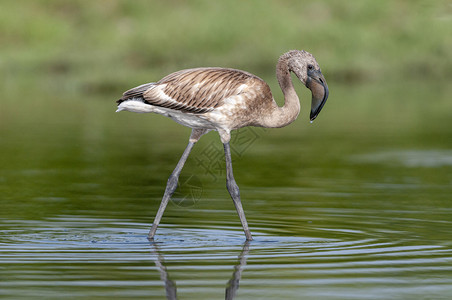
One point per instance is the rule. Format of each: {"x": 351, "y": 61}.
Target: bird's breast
{"x": 233, "y": 114}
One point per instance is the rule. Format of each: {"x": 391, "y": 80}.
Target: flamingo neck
{"x": 283, "y": 116}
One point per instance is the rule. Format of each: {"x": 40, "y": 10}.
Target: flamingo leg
{"x": 170, "y": 188}
{"x": 233, "y": 189}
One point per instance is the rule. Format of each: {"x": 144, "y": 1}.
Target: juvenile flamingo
{"x": 222, "y": 99}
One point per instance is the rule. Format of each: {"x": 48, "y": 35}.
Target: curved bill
{"x": 319, "y": 89}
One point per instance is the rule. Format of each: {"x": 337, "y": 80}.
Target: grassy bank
{"x": 103, "y": 46}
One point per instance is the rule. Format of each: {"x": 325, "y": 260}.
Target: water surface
{"x": 345, "y": 208}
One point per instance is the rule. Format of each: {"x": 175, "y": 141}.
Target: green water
{"x": 354, "y": 206}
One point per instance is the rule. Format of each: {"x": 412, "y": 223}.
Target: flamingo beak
{"x": 319, "y": 89}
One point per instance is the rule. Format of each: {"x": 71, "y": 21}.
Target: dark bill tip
{"x": 319, "y": 89}
{"x": 315, "y": 112}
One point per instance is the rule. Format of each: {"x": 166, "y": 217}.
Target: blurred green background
{"x": 64, "y": 63}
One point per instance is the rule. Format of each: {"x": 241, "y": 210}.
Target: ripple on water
{"x": 92, "y": 233}
{"x": 270, "y": 267}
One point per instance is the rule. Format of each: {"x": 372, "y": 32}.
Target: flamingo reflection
{"x": 170, "y": 285}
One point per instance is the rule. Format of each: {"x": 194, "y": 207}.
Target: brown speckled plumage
{"x": 197, "y": 90}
